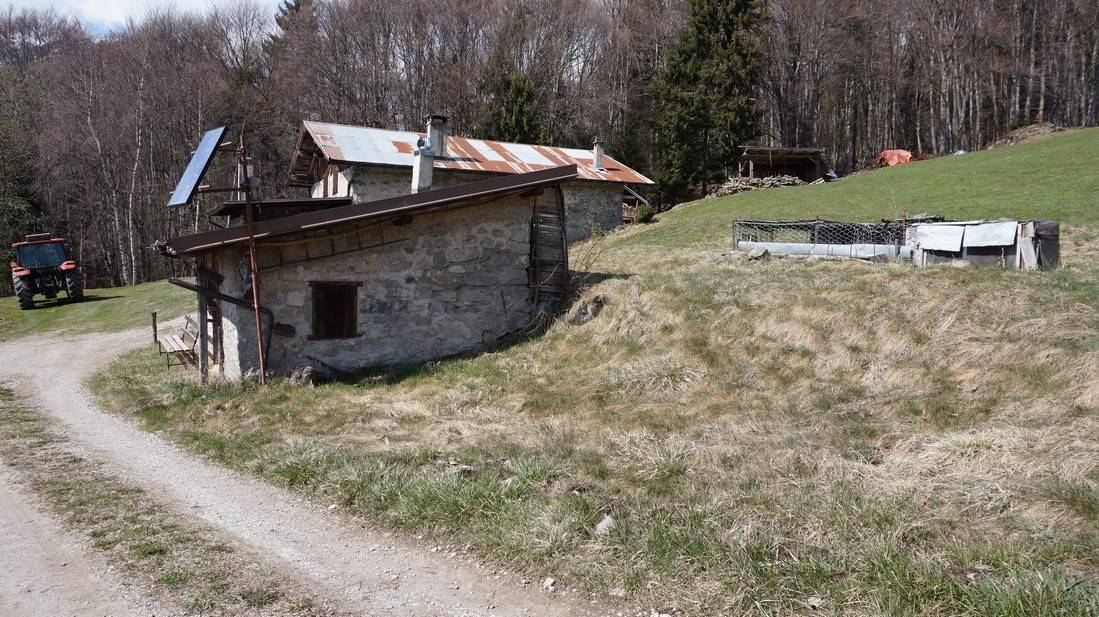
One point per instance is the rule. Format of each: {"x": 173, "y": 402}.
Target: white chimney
{"x": 423, "y": 163}
{"x": 597, "y": 151}
{"x": 437, "y": 132}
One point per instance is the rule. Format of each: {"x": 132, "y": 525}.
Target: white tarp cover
{"x": 940, "y": 237}
{"x": 1001, "y": 233}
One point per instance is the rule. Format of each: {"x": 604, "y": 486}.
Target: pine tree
{"x": 513, "y": 110}
{"x": 288, "y": 10}
{"x": 705, "y": 93}
{"x": 290, "y": 14}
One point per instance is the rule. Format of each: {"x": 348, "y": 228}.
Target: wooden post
{"x": 203, "y": 367}
{"x": 250, "y": 223}
{"x": 156, "y": 339}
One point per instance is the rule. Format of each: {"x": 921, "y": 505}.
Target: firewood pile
{"x": 1022, "y": 134}
{"x": 740, "y": 185}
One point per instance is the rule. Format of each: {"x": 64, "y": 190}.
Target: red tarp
{"x": 894, "y": 157}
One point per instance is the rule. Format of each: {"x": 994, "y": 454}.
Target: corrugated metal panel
{"x": 369, "y": 146}
{"x": 1000, "y": 233}
{"x": 940, "y": 237}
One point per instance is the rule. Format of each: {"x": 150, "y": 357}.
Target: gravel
{"x": 366, "y": 570}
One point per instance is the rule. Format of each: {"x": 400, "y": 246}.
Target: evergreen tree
{"x": 288, "y": 10}
{"x": 291, "y": 14}
{"x": 513, "y": 109}
{"x": 705, "y": 93}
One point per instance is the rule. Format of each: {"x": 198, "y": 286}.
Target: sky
{"x": 102, "y": 15}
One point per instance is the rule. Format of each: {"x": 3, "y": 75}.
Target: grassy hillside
{"x": 101, "y": 310}
{"x": 1053, "y": 177}
{"x": 770, "y": 438}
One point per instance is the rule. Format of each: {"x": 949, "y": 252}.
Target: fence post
{"x": 156, "y": 340}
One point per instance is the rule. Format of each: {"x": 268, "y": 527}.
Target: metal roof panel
{"x": 360, "y": 145}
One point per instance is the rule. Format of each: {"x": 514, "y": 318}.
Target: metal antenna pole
{"x": 250, "y": 218}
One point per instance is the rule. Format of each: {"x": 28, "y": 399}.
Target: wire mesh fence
{"x": 818, "y": 232}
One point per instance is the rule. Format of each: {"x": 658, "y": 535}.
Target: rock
{"x": 510, "y": 481}
{"x": 979, "y": 571}
{"x": 656, "y": 613}
{"x": 758, "y": 253}
{"x": 605, "y": 526}
{"x": 523, "y": 582}
{"x": 586, "y": 309}
{"x": 304, "y": 376}
{"x": 462, "y": 471}
{"x": 877, "y": 457}
{"x": 814, "y": 602}
{"x": 549, "y": 584}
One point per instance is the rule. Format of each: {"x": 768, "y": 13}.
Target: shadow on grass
{"x": 581, "y": 279}
{"x": 388, "y": 375}
{"x": 45, "y": 304}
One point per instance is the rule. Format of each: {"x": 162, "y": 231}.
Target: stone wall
{"x": 440, "y": 284}
{"x": 591, "y": 206}
{"x": 587, "y": 204}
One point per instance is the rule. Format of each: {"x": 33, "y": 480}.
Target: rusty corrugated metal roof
{"x": 360, "y": 145}
{"x": 439, "y": 199}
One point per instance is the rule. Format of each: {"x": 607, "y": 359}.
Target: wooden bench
{"x": 180, "y": 346}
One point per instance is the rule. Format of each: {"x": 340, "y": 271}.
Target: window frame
{"x": 314, "y": 287}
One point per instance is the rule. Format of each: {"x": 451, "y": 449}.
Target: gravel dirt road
{"x": 46, "y": 571}
{"x": 369, "y": 572}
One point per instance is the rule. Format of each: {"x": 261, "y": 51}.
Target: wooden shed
{"x": 763, "y": 161}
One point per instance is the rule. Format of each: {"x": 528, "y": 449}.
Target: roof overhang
{"x": 771, "y": 153}
{"x": 452, "y": 197}
{"x": 236, "y": 208}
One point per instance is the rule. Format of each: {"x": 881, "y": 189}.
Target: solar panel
{"x": 196, "y": 169}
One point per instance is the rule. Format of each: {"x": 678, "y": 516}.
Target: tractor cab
{"x": 37, "y": 255}
{"x": 41, "y": 265}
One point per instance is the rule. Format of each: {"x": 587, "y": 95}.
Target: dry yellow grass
{"x": 873, "y": 435}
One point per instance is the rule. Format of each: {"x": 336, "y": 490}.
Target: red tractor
{"x": 42, "y": 266}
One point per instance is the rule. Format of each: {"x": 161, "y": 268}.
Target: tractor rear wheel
{"x": 24, "y": 292}
{"x": 74, "y": 285}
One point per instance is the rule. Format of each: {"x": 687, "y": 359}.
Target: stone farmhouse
{"x": 388, "y": 276}
{"x": 367, "y": 164}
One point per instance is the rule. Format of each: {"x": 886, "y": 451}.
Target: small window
{"x": 335, "y": 310}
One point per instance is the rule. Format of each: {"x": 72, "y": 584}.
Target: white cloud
{"x": 111, "y": 13}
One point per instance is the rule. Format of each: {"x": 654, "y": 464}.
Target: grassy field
{"x": 1046, "y": 178}
{"x": 768, "y": 438}
{"x": 101, "y": 310}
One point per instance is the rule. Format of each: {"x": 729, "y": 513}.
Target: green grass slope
{"x": 102, "y": 310}
{"x": 1049, "y": 178}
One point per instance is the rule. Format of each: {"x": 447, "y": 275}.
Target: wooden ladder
{"x": 549, "y": 253}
